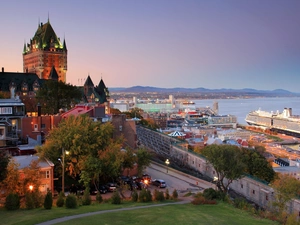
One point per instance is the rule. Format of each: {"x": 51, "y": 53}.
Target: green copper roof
{"x": 89, "y": 82}
{"x": 46, "y": 35}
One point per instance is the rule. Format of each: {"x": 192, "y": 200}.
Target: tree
{"x": 257, "y": 165}
{"x": 11, "y": 184}
{"x": 4, "y": 160}
{"x": 93, "y": 153}
{"x": 286, "y": 188}
{"x": 228, "y": 163}
{"x": 143, "y": 160}
{"x": 55, "y": 95}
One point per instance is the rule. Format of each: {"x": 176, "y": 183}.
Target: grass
{"x": 172, "y": 214}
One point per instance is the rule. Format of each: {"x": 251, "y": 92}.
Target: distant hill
{"x": 143, "y": 89}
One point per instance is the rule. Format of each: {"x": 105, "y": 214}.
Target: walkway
{"x": 63, "y": 219}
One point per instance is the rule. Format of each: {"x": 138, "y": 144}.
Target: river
{"x": 241, "y": 107}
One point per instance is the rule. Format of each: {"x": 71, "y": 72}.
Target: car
{"x": 159, "y": 183}
{"x": 124, "y": 180}
{"x": 111, "y": 187}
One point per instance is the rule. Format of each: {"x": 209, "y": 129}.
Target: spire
{"x": 24, "y": 48}
{"x": 48, "y": 18}
{"x": 53, "y": 74}
{"x": 89, "y": 82}
{"x": 64, "y": 45}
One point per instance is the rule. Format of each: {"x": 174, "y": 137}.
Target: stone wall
{"x": 253, "y": 189}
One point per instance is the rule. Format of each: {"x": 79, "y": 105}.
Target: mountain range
{"x": 142, "y": 89}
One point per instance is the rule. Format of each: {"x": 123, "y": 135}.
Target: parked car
{"x": 159, "y": 183}
{"x": 124, "y": 180}
{"x": 111, "y": 187}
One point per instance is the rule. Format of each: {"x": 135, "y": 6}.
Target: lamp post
{"x": 167, "y": 163}
{"x": 62, "y": 162}
{"x": 31, "y": 188}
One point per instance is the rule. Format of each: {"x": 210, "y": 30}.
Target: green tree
{"x": 228, "y": 163}
{"x": 55, "y": 95}
{"x": 93, "y": 153}
{"x": 143, "y": 160}
{"x": 257, "y": 165}
{"x": 286, "y": 188}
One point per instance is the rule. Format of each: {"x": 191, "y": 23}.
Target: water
{"x": 241, "y": 107}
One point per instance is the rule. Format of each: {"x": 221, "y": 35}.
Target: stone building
{"x": 44, "y": 51}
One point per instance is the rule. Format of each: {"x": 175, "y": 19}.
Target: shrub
{"x": 210, "y": 194}
{"x": 200, "y": 200}
{"x": 12, "y": 202}
{"x": 148, "y": 196}
{"x": 115, "y": 198}
{"x": 60, "y": 200}
{"x": 86, "y": 198}
{"x": 241, "y": 203}
{"x": 99, "y": 197}
{"x": 158, "y": 195}
{"x": 71, "y": 201}
{"x": 167, "y": 194}
{"x": 134, "y": 196}
{"x": 48, "y": 200}
{"x": 144, "y": 196}
{"x": 175, "y": 194}
{"x": 29, "y": 201}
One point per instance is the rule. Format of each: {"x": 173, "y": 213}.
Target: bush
{"x": 148, "y": 196}
{"x": 48, "y": 200}
{"x": 86, "y": 198}
{"x": 210, "y": 194}
{"x": 175, "y": 194}
{"x": 241, "y": 203}
{"x": 60, "y": 200}
{"x": 159, "y": 196}
{"x": 71, "y": 201}
{"x": 12, "y": 202}
{"x": 99, "y": 197}
{"x": 167, "y": 194}
{"x": 115, "y": 198}
{"x": 134, "y": 196}
{"x": 144, "y": 196}
{"x": 200, "y": 200}
{"x": 29, "y": 201}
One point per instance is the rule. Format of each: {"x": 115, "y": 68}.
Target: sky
{"x": 164, "y": 43}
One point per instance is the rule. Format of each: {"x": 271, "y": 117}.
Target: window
{"x": 253, "y": 192}
{"x": 267, "y": 197}
{"x": 43, "y": 126}
{"x": 48, "y": 174}
{"x": 242, "y": 185}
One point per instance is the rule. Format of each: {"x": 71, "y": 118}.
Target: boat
{"x": 188, "y": 103}
{"x": 284, "y": 122}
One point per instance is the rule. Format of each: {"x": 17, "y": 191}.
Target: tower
{"x": 44, "y": 51}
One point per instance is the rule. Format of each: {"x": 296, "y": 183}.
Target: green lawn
{"x": 171, "y": 214}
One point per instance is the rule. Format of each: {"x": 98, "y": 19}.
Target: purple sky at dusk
{"x": 165, "y": 43}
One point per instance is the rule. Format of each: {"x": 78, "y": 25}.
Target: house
{"x": 46, "y": 171}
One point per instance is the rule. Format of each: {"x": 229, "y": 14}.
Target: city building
{"x": 46, "y": 171}
{"x": 44, "y": 51}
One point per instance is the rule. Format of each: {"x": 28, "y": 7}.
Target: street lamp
{"x": 31, "y": 188}
{"x": 167, "y": 163}
{"x": 62, "y": 162}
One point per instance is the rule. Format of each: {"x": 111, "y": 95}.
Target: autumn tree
{"x": 4, "y": 160}
{"x": 228, "y": 163}
{"x": 55, "y": 95}
{"x": 286, "y": 188}
{"x": 11, "y": 184}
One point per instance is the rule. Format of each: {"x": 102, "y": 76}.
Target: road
{"x": 177, "y": 180}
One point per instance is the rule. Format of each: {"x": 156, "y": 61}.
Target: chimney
{"x": 2, "y": 69}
